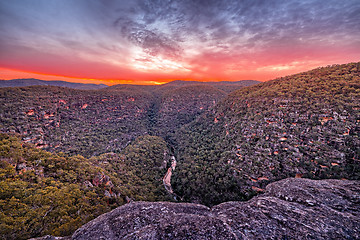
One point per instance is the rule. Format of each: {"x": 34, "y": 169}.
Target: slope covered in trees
{"x": 44, "y": 193}
{"x": 182, "y": 105}
{"x": 90, "y": 122}
{"x": 75, "y": 121}
{"x": 55, "y": 193}
{"x": 227, "y": 147}
{"x": 304, "y": 125}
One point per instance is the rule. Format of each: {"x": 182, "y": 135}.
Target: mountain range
{"x": 36, "y": 82}
{"x": 204, "y": 143}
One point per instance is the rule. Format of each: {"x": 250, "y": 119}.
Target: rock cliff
{"x": 289, "y": 209}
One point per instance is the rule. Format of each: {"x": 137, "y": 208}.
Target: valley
{"x": 204, "y": 143}
{"x": 106, "y": 120}
{"x": 179, "y": 120}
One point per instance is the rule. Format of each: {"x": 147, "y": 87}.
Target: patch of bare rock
{"x": 289, "y": 209}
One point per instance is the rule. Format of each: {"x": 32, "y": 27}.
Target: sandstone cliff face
{"x": 289, "y": 209}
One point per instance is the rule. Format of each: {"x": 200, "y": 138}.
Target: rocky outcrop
{"x": 289, "y": 209}
{"x": 297, "y": 209}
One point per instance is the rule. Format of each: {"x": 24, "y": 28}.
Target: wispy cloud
{"x": 193, "y": 38}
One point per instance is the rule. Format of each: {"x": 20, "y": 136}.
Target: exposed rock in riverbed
{"x": 289, "y": 209}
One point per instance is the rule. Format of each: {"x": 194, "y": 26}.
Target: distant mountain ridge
{"x": 242, "y": 82}
{"x": 26, "y": 82}
{"x": 225, "y": 86}
{"x": 34, "y": 82}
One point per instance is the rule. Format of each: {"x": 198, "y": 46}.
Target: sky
{"x": 157, "y": 41}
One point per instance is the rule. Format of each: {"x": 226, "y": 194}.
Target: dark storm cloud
{"x": 159, "y": 26}
{"x": 239, "y": 23}
{"x": 152, "y": 41}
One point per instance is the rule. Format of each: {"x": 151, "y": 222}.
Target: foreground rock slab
{"x": 297, "y": 209}
{"x": 289, "y": 209}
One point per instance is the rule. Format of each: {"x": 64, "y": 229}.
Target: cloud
{"x": 199, "y": 35}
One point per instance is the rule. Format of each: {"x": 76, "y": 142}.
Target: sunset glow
{"x": 144, "y": 42}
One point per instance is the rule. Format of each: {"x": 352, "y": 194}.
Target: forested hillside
{"x": 304, "y": 125}
{"x": 74, "y": 121}
{"x": 55, "y": 193}
{"x": 44, "y": 193}
{"x": 182, "y": 105}
{"x": 92, "y": 122}
{"x": 69, "y": 155}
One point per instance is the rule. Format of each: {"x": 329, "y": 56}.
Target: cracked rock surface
{"x": 289, "y": 209}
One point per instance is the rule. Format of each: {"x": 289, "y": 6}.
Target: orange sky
{"x": 261, "y": 74}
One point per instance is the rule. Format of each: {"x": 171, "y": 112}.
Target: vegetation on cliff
{"x": 90, "y": 122}
{"x": 227, "y": 147}
{"x": 304, "y": 125}
{"x": 74, "y": 121}
{"x": 44, "y": 193}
